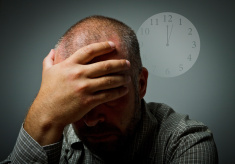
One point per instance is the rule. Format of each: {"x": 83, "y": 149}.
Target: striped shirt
{"x": 163, "y": 136}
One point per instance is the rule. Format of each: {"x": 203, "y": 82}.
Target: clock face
{"x": 169, "y": 44}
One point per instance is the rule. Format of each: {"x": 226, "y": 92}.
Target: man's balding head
{"x": 99, "y": 28}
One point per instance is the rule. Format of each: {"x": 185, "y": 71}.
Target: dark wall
{"x": 30, "y": 28}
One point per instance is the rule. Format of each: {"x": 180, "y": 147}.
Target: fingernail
{"x": 128, "y": 63}
{"x": 112, "y": 45}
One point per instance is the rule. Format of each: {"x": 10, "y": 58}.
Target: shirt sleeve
{"x": 182, "y": 140}
{"x": 27, "y": 150}
{"x": 194, "y": 145}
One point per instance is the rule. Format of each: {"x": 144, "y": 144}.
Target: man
{"x": 90, "y": 106}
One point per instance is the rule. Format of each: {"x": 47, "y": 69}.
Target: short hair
{"x": 99, "y": 28}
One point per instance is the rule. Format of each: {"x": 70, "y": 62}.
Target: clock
{"x": 169, "y": 44}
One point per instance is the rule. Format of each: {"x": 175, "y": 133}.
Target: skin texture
{"x": 92, "y": 89}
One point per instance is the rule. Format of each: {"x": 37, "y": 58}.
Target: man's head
{"x": 99, "y": 28}
{"x": 108, "y": 125}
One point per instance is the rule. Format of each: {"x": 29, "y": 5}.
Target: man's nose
{"x": 94, "y": 117}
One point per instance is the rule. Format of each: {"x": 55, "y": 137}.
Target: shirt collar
{"x": 144, "y": 131}
{"x": 142, "y": 142}
{"x": 71, "y": 137}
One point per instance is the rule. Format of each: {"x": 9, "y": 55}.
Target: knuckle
{"x": 109, "y": 81}
{"x": 44, "y": 61}
{"x": 109, "y": 95}
{"x": 104, "y": 97}
{"x": 107, "y": 66}
{"x": 88, "y": 101}
{"x": 82, "y": 87}
{"x": 105, "y": 45}
{"x": 75, "y": 73}
{"x": 87, "y": 50}
{"x": 123, "y": 63}
{"x": 79, "y": 73}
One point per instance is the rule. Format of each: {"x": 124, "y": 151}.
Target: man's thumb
{"x": 49, "y": 59}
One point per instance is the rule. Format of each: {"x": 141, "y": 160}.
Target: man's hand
{"x": 72, "y": 88}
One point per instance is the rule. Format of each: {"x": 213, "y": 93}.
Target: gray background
{"x": 29, "y": 29}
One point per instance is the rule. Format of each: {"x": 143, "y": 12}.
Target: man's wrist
{"x": 27, "y": 150}
{"x": 41, "y": 128}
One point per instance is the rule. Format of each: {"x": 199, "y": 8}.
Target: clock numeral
{"x": 154, "y": 21}
{"x": 145, "y": 31}
{"x": 189, "y": 57}
{"x": 194, "y": 44}
{"x": 190, "y": 31}
{"x": 169, "y": 18}
{"x": 181, "y": 68}
{"x": 180, "y": 21}
{"x": 167, "y": 71}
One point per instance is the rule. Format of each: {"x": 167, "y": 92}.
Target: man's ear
{"x": 143, "y": 79}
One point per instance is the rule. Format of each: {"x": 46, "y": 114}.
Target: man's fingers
{"x": 109, "y": 82}
{"x": 87, "y": 53}
{"x": 49, "y": 59}
{"x": 106, "y": 67}
{"x": 109, "y": 95}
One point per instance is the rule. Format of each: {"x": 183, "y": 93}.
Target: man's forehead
{"x": 83, "y": 39}
{"x": 83, "y": 36}
{"x": 117, "y": 53}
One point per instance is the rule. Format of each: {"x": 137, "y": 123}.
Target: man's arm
{"x": 194, "y": 145}
{"x": 69, "y": 90}
{"x": 27, "y": 150}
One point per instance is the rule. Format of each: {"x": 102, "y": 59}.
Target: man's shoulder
{"x": 170, "y": 122}
{"x": 181, "y": 139}
{"x": 175, "y": 128}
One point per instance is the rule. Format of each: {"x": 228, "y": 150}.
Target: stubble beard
{"x": 109, "y": 150}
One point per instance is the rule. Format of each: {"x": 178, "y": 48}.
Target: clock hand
{"x": 168, "y": 38}
{"x": 171, "y": 31}
{"x": 167, "y": 41}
